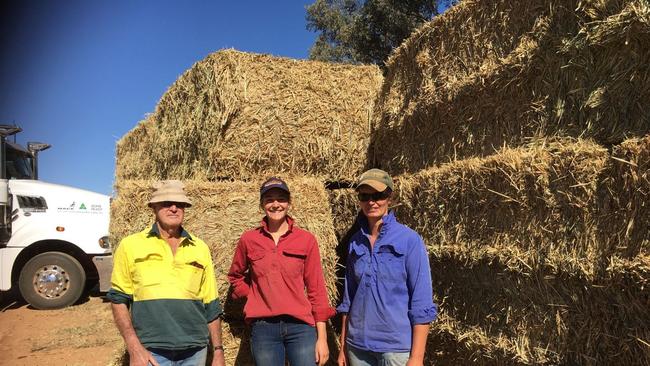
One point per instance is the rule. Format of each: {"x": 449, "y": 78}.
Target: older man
{"x": 165, "y": 276}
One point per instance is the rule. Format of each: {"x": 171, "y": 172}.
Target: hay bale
{"x": 222, "y": 211}
{"x": 344, "y": 211}
{"x": 241, "y": 115}
{"x": 452, "y": 343}
{"x": 496, "y": 73}
{"x": 623, "y": 200}
{"x": 541, "y": 316}
{"x": 131, "y": 149}
{"x": 539, "y": 200}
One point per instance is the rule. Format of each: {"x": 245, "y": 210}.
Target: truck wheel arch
{"x": 43, "y": 246}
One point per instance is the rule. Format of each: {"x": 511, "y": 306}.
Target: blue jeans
{"x": 272, "y": 338}
{"x": 189, "y": 357}
{"x": 359, "y": 357}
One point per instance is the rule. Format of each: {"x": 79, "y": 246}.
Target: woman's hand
{"x": 342, "y": 361}
{"x": 322, "y": 351}
{"x": 415, "y": 362}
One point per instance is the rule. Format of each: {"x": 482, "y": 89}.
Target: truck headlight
{"x": 104, "y": 242}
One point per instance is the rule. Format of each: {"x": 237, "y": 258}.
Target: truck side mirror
{"x": 35, "y": 147}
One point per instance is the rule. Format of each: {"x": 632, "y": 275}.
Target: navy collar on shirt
{"x": 154, "y": 231}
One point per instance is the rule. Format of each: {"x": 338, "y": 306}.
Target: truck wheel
{"x": 52, "y": 280}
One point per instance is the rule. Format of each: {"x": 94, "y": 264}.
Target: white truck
{"x": 54, "y": 239}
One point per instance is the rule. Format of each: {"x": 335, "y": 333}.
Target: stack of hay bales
{"x": 493, "y": 73}
{"x": 536, "y": 254}
{"x": 225, "y": 125}
{"x": 516, "y": 131}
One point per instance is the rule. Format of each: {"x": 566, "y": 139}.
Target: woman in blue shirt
{"x": 388, "y": 302}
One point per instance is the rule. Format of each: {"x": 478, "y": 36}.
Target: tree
{"x": 358, "y": 31}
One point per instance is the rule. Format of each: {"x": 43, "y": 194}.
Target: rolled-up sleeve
{"x": 422, "y": 310}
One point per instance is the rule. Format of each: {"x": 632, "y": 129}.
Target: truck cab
{"x": 53, "y": 238}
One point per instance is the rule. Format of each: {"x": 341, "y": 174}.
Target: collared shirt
{"x": 387, "y": 288}
{"x": 274, "y": 278}
{"x": 172, "y": 297}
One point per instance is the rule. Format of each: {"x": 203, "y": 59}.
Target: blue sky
{"x": 79, "y": 74}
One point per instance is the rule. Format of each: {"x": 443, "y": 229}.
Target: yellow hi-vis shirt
{"x": 172, "y": 297}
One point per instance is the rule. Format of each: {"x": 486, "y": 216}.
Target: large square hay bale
{"x": 240, "y": 115}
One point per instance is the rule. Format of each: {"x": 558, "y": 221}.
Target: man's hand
{"x": 218, "y": 358}
{"x": 214, "y": 327}
{"x": 322, "y": 351}
{"x": 139, "y": 356}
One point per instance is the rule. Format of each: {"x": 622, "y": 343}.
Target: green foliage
{"x": 356, "y": 31}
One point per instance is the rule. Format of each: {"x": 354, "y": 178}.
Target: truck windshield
{"x": 19, "y": 164}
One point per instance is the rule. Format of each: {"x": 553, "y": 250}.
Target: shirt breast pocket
{"x": 258, "y": 265}
{"x": 149, "y": 270}
{"x": 391, "y": 263}
{"x": 358, "y": 261}
{"x": 293, "y": 261}
{"x": 191, "y": 276}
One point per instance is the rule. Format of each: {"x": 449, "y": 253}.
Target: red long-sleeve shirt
{"x": 278, "y": 275}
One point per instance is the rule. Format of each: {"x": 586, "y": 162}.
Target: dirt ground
{"x": 81, "y": 335}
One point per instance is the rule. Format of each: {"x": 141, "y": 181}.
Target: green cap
{"x": 377, "y": 179}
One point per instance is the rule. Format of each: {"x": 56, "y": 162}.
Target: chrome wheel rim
{"x": 51, "y": 281}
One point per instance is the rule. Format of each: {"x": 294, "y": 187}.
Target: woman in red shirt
{"x": 273, "y": 265}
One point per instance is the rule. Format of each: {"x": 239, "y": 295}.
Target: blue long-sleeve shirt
{"x": 387, "y": 288}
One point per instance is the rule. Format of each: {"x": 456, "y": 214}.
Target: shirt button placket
{"x": 275, "y": 259}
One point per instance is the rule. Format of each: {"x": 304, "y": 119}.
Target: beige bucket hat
{"x": 170, "y": 191}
